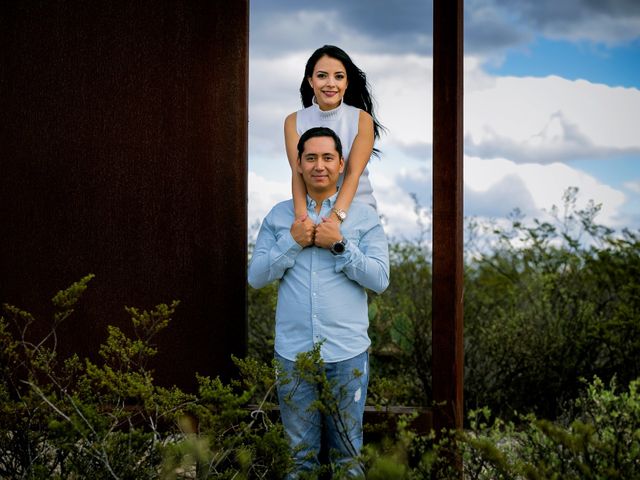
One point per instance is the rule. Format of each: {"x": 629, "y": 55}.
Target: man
{"x": 323, "y": 267}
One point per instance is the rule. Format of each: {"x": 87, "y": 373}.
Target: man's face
{"x": 320, "y": 165}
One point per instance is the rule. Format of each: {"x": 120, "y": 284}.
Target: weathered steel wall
{"x": 447, "y": 327}
{"x": 123, "y": 153}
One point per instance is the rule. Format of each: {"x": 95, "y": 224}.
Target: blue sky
{"x": 598, "y": 63}
{"x": 552, "y": 100}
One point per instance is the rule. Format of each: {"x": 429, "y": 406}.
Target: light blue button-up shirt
{"x": 321, "y": 296}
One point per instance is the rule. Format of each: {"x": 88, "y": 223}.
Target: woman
{"x": 335, "y": 94}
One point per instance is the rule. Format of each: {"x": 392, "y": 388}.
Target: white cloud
{"x": 272, "y": 34}
{"x": 610, "y": 22}
{"x": 402, "y": 87}
{"x": 273, "y": 94}
{"x": 518, "y": 131}
{"x": 396, "y": 205}
{"x": 490, "y": 25}
{"x": 264, "y": 194}
{"x": 633, "y": 185}
{"x": 543, "y": 187}
{"x": 600, "y": 28}
{"x": 559, "y": 140}
{"x": 526, "y": 119}
{"x": 551, "y": 119}
{"x": 493, "y": 189}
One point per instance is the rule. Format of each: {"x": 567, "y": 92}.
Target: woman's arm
{"x": 298, "y": 188}
{"x": 358, "y": 158}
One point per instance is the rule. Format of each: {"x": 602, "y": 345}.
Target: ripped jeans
{"x": 329, "y": 411}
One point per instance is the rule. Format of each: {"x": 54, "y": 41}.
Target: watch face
{"x": 337, "y": 247}
{"x": 341, "y": 214}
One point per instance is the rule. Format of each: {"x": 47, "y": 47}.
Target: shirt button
{"x": 314, "y": 294}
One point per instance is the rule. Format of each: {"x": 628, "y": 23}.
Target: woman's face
{"x": 329, "y": 82}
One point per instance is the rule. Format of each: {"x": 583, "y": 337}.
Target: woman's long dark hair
{"x": 357, "y": 93}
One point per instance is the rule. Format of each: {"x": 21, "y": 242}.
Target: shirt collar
{"x": 311, "y": 203}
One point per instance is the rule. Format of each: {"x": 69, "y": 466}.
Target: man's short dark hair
{"x": 319, "y": 132}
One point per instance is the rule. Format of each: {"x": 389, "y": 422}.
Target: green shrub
{"x": 602, "y": 442}
{"x": 550, "y": 303}
{"x": 400, "y": 330}
{"x": 74, "y": 418}
{"x": 545, "y": 303}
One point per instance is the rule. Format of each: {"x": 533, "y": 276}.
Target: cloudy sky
{"x": 552, "y": 100}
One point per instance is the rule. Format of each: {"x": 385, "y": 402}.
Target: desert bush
{"x": 400, "y": 330}
{"x": 261, "y": 308}
{"x": 75, "y": 418}
{"x": 598, "y": 438}
{"x": 545, "y": 303}
{"x": 551, "y": 303}
{"x": 602, "y": 441}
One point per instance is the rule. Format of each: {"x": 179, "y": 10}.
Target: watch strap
{"x": 341, "y": 214}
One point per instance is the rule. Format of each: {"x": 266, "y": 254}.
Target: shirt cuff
{"x": 345, "y": 257}
{"x": 288, "y": 246}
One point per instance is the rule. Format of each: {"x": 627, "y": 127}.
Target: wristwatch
{"x": 339, "y": 247}
{"x": 341, "y": 214}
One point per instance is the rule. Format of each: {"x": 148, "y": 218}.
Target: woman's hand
{"x": 327, "y": 233}
{"x": 303, "y": 231}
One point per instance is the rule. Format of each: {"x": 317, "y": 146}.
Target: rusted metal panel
{"x": 447, "y": 287}
{"x": 123, "y": 152}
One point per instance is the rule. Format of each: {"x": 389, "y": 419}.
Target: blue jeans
{"x": 313, "y": 410}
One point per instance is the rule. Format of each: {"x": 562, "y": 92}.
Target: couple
{"x": 325, "y": 246}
